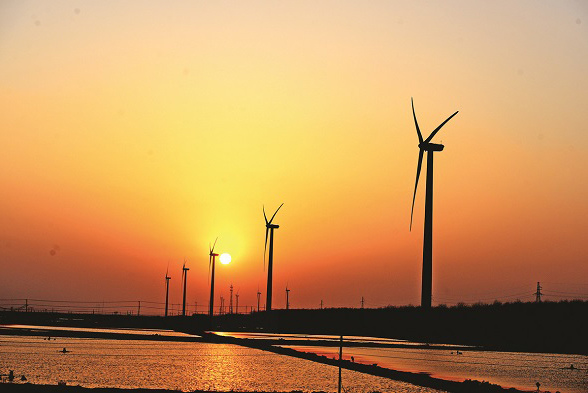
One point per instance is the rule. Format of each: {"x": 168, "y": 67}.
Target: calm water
{"x": 508, "y": 369}
{"x": 176, "y": 365}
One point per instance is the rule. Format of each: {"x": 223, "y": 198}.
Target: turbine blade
{"x": 416, "y": 183}
{"x": 438, "y": 128}
{"x": 270, "y": 221}
{"x": 416, "y": 123}
{"x": 212, "y": 250}
{"x": 265, "y": 248}
{"x": 264, "y": 216}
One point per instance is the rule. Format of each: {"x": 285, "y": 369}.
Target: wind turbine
{"x": 185, "y": 277}
{"x": 237, "y": 306}
{"x": 167, "y": 278}
{"x": 269, "y": 228}
{"x": 212, "y": 263}
{"x": 430, "y": 148}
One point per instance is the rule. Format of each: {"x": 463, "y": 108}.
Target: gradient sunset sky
{"x": 134, "y": 133}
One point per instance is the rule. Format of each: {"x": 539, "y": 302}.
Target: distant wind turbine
{"x": 430, "y": 148}
{"x": 269, "y": 229}
{"x": 185, "y": 277}
{"x": 167, "y": 278}
{"x": 211, "y": 264}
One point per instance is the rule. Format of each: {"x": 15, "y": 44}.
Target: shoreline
{"x": 418, "y": 379}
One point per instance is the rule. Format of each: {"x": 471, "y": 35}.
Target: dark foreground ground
{"x": 542, "y": 327}
{"x": 552, "y": 327}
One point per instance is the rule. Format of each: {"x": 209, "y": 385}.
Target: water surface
{"x": 509, "y": 369}
{"x": 177, "y": 365}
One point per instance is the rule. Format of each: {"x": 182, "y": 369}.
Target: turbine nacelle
{"x": 275, "y": 226}
{"x": 212, "y": 254}
{"x": 427, "y": 146}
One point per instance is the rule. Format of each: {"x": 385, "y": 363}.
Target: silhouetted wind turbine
{"x": 269, "y": 228}
{"x": 212, "y": 263}
{"x": 185, "y": 277}
{"x": 167, "y": 278}
{"x": 430, "y": 148}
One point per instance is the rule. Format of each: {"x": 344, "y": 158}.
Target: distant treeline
{"x": 559, "y": 327}
{"x": 535, "y": 327}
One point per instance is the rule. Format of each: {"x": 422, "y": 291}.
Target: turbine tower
{"x": 258, "y": 295}
{"x": 185, "y": 277}
{"x": 231, "y": 300}
{"x": 167, "y": 278}
{"x": 430, "y": 148}
{"x": 269, "y": 229}
{"x": 211, "y": 264}
{"x": 237, "y": 306}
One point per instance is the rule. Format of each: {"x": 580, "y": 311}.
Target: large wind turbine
{"x": 430, "y": 148}
{"x": 185, "y": 277}
{"x": 167, "y": 278}
{"x": 211, "y": 264}
{"x": 269, "y": 228}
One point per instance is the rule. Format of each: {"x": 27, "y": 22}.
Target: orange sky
{"x": 132, "y": 134}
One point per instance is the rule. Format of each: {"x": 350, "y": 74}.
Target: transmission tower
{"x": 538, "y": 293}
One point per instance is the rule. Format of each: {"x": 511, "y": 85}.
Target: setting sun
{"x": 225, "y": 258}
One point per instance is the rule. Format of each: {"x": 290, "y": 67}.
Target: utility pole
{"x": 340, "y": 361}
{"x": 195, "y": 307}
{"x": 362, "y": 301}
{"x": 139, "y": 309}
{"x": 321, "y": 304}
{"x": 258, "y": 295}
{"x": 287, "y": 298}
{"x": 538, "y": 293}
{"x": 237, "y": 305}
{"x": 26, "y": 305}
{"x": 231, "y": 301}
